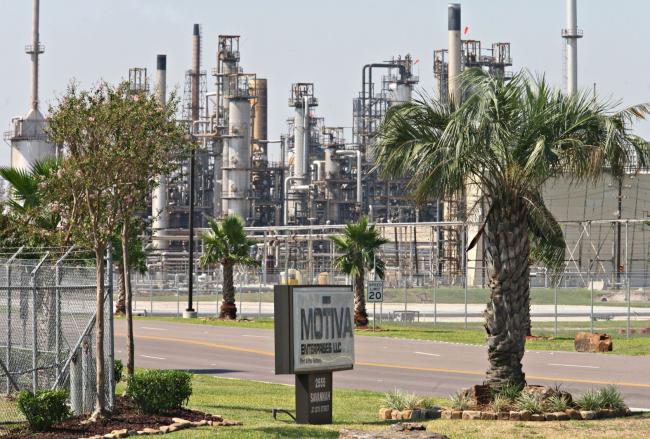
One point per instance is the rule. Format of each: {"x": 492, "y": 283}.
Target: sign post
{"x": 314, "y": 336}
{"x": 375, "y": 294}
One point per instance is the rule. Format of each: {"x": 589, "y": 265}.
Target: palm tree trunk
{"x": 120, "y": 306}
{"x": 507, "y": 317}
{"x": 228, "y": 307}
{"x": 360, "y": 314}
{"x": 126, "y": 284}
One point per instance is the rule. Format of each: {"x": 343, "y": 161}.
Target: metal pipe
{"x": 359, "y": 171}
{"x": 454, "y": 52}
{"x": 286, "y": 192}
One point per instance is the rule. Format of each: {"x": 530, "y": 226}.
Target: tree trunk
{"x": 228, "y": 307}
{"x": 100, "y": 389}
{"x": 360, "y": 314}
{"x": 120, "y": 306}
{"x": 126, "y": 270}
{"x": 507, "y": 317}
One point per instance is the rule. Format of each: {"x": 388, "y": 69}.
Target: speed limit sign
{"x": 375, "y": 291}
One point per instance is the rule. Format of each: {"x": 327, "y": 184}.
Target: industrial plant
{"x": 323, "y": 178}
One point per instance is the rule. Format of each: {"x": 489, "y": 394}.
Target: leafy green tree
{"x": 508, "y": 138}
{"x": 114, "y": 142}
{"x": 359, "y": 245}
{"x": 226, "y": 244}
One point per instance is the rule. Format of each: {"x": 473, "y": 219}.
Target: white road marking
{"x": 153, "y": 329}
{"x": 257, "y": 336}
{"x": 152, "y": 357}
{"x": 573, "y": 365}
{"x": 427, "y": 353}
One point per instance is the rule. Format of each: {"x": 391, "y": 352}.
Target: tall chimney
{"x": 196, "y": 71}
{"x": 454, "y": 64}
{"x": 571, "y": 34}
{"x": 159, "y": 195}
{"x": 35, "y": 50}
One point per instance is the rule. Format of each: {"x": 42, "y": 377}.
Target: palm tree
{"x": 359, "y": 244}
{"x": 507, "y": 139}
{"x": 227, "y": 244}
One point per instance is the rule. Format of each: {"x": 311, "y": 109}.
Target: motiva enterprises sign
{"x": 314, "y": 329}
{"x": 323, "y": 336}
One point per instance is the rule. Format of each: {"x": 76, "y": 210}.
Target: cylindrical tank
{"x": 260, "y": 116}
{"x": 237, "y": 158}
{"x": 331, "y": 165}
{"x": 399, "y": 93}
{"x": 299, "y": 146}
{"x": 159, "y": 196}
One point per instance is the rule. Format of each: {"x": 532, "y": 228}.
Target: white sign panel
{"x": 323, "y": 329}
{"x": 375, "y": 291}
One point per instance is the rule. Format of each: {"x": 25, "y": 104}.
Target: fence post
{"x": 463, "y": 239}
{"x": 35, "y": 324}
{"x": 76, "y": 380}
{"x": 555, "y": 305}
{"x": 8, "y": 353}
{"x": 435, "y": 302}
{"x": 111, "y": 327}
{"x": 57, "y": 315}
{"x": 88, "y": 375}
{"x": 627, "y": 283}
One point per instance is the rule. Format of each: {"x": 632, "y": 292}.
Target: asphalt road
{"x": 382, "y": 364}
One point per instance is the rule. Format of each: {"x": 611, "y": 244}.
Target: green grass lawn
{"x": 455, "y": 332}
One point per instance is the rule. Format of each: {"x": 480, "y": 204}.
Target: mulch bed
{"x": 125, "y": 415}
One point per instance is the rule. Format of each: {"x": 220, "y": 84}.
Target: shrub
{"x": 411, "y": 401}
{"x": 509, "y": 390}
{"x": 529, "y": 402}
{"x": 394, "y": 400}
{"x": 156, "y": 391}
{"x": 118, "y": 367}
{"x": 589, "y": 400}
{"x": 427, "y": 403}
{"x": 460, "y": 401}
{"x": 557, "y": 403}
{"x": 43, "y": 409}
{"x": 500, "y": 403}
{"x": 610, "y": 397}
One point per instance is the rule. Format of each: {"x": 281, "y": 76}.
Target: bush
{"x": 509, "y": 391}
{"x": 529, "y": 402}
{"x": 610, "y": 398}
{"x": 118, "y": 367}
{"x": 500, "y": 403}
{"x": 44, "y": 409}
{"x": 590, "y": 400}
{"x": 395, "y": 400}
{"x": 157, "y": 391}
{"x": 460, "y": 401}
{"x": 557, "y": 403}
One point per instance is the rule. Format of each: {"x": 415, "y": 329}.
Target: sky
{"x": 325, "y": 42}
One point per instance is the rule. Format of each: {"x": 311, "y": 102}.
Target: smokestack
{"x": 453, "y": 10}
{"x": 161, "y": 78}
{"x": 571, "y": 34}
{"x": 35, "y": 50}
{"x": 196, "y": 68}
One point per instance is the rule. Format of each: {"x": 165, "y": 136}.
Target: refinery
{"x": 325, "y": 175}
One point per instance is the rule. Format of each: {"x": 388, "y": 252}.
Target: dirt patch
{"x": 125, "y": 416}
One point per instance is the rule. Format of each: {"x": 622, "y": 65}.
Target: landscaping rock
{"x": 432, "y": 413}
{"x": 407, "y": 415}
{"x": 590, "y": 342}
{"x": 471, "y": 415}
{"x": 165, "y": 429}
{"x": 525, "y": 415}
{"x": 550, "y": 416}
{"x": 400, "y": 430}
{"x": 488, "y": 416}
{"x": 394, "y": 413}
{"x": 445, "y": 414}
{"x": 456, "y": 414}
{"x": 536, "y": 417}
{"x": 479, "y": 394}
{"x": 150, "y": 431}
{"x": 120, "y": 433}
{"x": 573, "y": 414}
{"x": 587, "y": 414}
{"x": 561, "y": 416}
{"x": 200, "y": 423}
{"x": 408, "y": 426}
{"x": 503, "y": 416}
{"x": 228, "y": 423}
{"x": 515, "y": 416}
{"x": 385, "y": 414}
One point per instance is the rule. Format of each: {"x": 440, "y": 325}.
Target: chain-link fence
{"x": 47, "y": 328}
{"x": 604, "y": 285}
